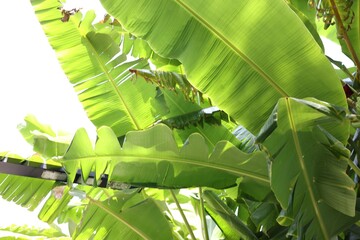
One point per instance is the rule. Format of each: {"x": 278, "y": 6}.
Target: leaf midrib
{"x": 303, "y": 169}
{"x": 235, "y": 49}
{"x": 112, "y": 83}
{"x": 174, "y": 159}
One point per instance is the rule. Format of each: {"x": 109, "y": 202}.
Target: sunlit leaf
{"x": 152, "y": 158}
{"x": 242, "y": 68}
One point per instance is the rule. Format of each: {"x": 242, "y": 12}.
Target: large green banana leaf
{"x": 308, "y": 167}
{"x": 92, "y": 60}
{"x": 152, "y": 158}
{"x": 244, "y": 55}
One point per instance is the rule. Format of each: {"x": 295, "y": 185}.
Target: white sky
{"x": 31, "y": 78}
{"x": 32, "y": 82}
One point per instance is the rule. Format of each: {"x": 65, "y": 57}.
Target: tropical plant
{"x": 215, "y": 120}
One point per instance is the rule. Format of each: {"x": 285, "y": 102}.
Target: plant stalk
{"x": 183, "y": 215}
{"x": 345, "y": 35}
{"x": 203, "y": 216}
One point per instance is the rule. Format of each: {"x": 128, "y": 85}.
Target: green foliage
{"x": 315, "y": 185}
{"x": 217, "y": 73}
{"x": 211, "y": 46}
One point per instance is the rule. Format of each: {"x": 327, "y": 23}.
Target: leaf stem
{"x": 183, "y": 215}
{"x": 203, "y": 216}
{"x": 353, "y": 166}
{"x": 345, "y": 35}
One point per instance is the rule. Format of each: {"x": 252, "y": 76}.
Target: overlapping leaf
{"x": 243, "y": 69}
{"x": 98, "y": 71}
{"x": 181, "y": 113}
{"x": 308, "y": 167}
{"x": 226, "y": 219}
{"x": 152, "y": 158}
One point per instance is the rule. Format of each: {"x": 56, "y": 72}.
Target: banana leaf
{"x": 152, "y": 158}
{"x": 26, "y": 192}
{"x": 106, "y": 220}
{"x": 225, "y": 218}
{"x": 44, "y": 139}
{"x": 242, "y": 68}
{"x": 92, "y": 60}
{"x": 308, "y": 167}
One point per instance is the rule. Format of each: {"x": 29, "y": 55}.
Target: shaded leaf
{"x": 225, "y": 218}
{"x": 263, "y": 214}
{"x": 308, "y": 167}
{"x": 178, "y": 107}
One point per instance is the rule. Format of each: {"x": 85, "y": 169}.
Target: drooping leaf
{"x": 211, "y": 116}
{"x": 263, "y": 214}
{"x": 106, "y": 220}
{"x": 246, "y": 138}
{"x": 152, "y": 158}
{"x": 179, "y": 108}
{"x": 170, "y": 81}
{"x": 225, "y": 218}
{"x": 308, "y": 167}
{"x": 243, "y": 69}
